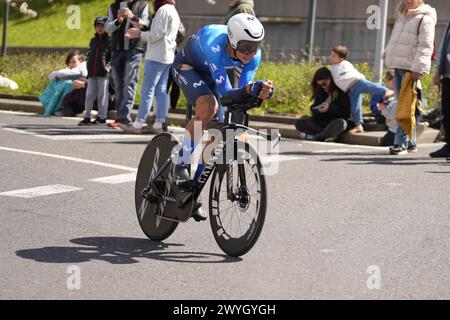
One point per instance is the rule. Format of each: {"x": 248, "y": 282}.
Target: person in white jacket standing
{"x": 161, "y": 46}
{"x": 354, "y": 83}
{"x": 410, "y": 49}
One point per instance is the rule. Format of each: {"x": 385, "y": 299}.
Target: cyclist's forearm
{"x": 239, "y": 95}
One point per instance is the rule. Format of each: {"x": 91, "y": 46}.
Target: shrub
{"x": 292, "y": 81}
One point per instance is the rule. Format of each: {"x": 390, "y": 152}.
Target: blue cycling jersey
{"x": 206, "y": 53}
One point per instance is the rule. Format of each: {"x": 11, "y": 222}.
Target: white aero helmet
{"x": 244, "y": 27}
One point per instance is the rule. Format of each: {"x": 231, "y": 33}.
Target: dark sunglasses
{"x": 248, "y": 47}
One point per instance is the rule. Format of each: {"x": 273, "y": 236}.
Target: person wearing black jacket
{"x": 98, "y": 66}
{"x": 127, "y": 53}
{"x": 442, "y": 79}
{"x": 330, "y": 110}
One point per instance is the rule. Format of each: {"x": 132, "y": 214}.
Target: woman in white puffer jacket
{"x": 410, "y": 49}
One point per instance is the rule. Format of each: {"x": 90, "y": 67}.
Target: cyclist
{"x": 200, "y": 71}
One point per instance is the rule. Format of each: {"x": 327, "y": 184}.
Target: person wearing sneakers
{"x": 329, "y": 111}
{"x": 442, "y": 79}
{"x": 409, "y": 52}
{"x": 98, "y": 65}
{"x": 388, "y": 110}
{"x": 200, "y": 69}
{"x": 354, "y": 83}
{"x": 126, "y": 54}
{"x": 161, "y": 46}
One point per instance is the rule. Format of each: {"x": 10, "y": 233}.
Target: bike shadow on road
{"x": 390, "y": 161}
{"x": 63, "y": 129}
{"x": 333, "y": 152}
{"x": 129, "y": 142}
{"x": 366, "y": 158}
{"x": 120, "y": 250}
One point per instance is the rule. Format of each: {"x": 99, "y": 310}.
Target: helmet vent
{"x": 254, "y": 37}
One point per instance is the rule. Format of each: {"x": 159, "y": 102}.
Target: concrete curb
{"x": 286, "y": 130}
{"x": 265, "y": 118}
{"x": 285, "y": 125}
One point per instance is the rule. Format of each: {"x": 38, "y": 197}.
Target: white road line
{"x": 341, "y": 145}
{"x": 19, "y": 131}
{"x": 343, "y": 150}
{"x": 23, "y": 132}
{"x": 56, "y": 156}
{"x": 117, "y": 179}
{"x": 79, "y": 136}
{"x": 37, "y": 132}
{"x": 40, "y": 191}
{"x": 94, "y": 137}
{"x": 280, "y": 158}
{"x": 17, "y": 113}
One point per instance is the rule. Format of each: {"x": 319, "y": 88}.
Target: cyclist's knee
{"x": 206, "y": 107}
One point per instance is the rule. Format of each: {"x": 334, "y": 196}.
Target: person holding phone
{"x": 126, "y": 53}
{"x": 161, "y": 46}
{"x": 330, "y": 110}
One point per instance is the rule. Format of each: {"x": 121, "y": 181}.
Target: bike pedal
{"x": 198, "y": 218}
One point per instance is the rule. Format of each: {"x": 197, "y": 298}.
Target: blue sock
{"x": 187, "y": 148}
{"x": 199, "y": 171}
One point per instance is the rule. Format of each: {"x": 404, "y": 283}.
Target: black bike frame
{"x": 218, "y": 152}
{"x": 209, "y": 167}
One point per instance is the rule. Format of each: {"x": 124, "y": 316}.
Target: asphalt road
{"x": 342, "y": 222}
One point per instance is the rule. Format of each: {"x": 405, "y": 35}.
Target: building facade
{"x": 286, "y": 21}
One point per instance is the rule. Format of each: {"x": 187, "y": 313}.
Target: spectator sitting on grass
{"x": 354, "y": 83}
{"x": 62, "y": 82}
{"x": 330, "y": 109}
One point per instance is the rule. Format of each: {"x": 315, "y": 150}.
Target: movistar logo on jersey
{"x": 199, "y": 84}
{"x": 220, "y": 80}
{"x": 216, "y": 49}
{"x": 213, "y": 67}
